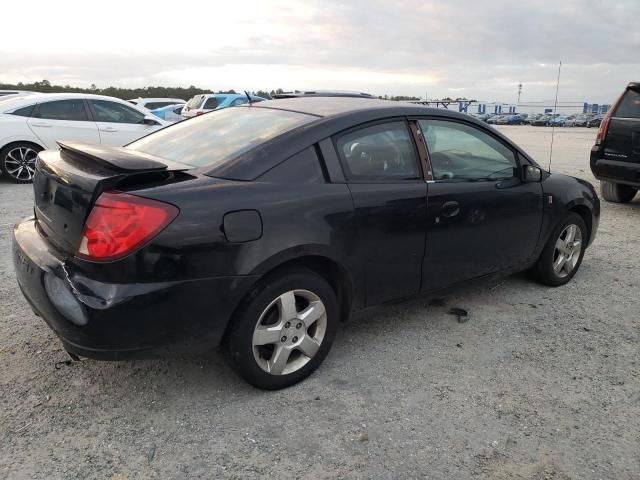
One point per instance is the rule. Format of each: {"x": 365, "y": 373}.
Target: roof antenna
{"x": 555, "y": 108}
{"x": 248, "y": 97}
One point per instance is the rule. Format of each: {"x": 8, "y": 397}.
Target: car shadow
{"x": 368, "y": 331}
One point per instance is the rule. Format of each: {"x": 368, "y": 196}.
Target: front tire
{"x": 284, "y": 329}
{"x": 617, "y": 193}
{"x": 562, "y": 255}
{"x": 18, "y": 161}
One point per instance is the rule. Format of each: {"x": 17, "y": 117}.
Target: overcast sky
{"x": 474, "y": 48}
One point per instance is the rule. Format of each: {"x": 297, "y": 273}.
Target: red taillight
{"x": 604, "y": 124}
{"x": 119, "y": 223}
{"x": 199, "y": 113}
{"x": 602, "y": 130}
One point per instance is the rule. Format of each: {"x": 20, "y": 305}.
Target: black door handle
{"x": 450, "y": 209}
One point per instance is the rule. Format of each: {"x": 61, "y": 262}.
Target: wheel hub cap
{"x": 289, "y": 332}
{"x": 20, "y": 163}
{"x": 567, "y": 250}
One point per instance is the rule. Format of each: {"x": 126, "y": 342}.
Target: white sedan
{"x": 29, "y": 124}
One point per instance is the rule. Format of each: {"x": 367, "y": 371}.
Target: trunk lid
{"x": 68, "y": 181}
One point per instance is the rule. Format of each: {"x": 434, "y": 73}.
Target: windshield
{"x": 214, "y": 138}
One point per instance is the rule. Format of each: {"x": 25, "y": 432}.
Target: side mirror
{"x": 532, "y": 173}
{"x": 149, "y": 120}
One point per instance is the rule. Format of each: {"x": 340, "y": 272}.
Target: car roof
{"x": 169, "y": 107}
{"x": 23, "y": 101}
{"x": 225, "y": 95}
{"x": 156, "y": 99}
{"x": 322, "y": 93}
{"x": 334, "y": 106}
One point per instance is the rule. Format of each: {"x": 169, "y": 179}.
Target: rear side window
{"x": 112, "y": 112}
{"x": 221, "y": 136}
{"x": 629, "y": 106}
{"x": 63, "y": 110}
{"x": 211, "y": 103}
{"x": 24, "y": 111}
{"x": 379, "y": 152}
{"x": 302, "y": 168}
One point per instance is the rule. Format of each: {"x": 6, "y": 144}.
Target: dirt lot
{"x": 540, "y": 383}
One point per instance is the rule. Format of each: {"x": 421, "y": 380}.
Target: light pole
{"x": 519, "y": 91}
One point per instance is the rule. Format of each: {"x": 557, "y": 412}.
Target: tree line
{"x": 45, "y": 86}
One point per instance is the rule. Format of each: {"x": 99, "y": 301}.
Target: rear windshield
{"x": 215, "y": 138}
{"x": 195, "y": 102}
{"x": 211, "y": 103}
{"x": 629, "y": 106}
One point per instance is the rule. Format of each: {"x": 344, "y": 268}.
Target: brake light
{"x": 199, "y": 113}
{"x": 119, "y": 223}
{"x": 604, "y": 124}
{"x": 602, "y": 130}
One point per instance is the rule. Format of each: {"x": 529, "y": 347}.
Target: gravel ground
{"x": 540, "y": 383}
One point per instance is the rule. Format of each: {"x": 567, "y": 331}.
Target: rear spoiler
{"x": 118, "y": 158}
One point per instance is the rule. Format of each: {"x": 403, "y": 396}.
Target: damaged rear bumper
{"x": 116, "y": 321}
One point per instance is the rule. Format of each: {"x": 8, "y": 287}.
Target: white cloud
{"x": 480, "y": 49}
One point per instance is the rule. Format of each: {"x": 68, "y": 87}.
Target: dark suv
{"x": 615, "y": 158}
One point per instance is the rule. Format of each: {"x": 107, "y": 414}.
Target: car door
{"x": 482, "y": 217}
{"x": 389, "y": 195}
{"x": 63, "y": 120}
{"x": 119, "y": 124}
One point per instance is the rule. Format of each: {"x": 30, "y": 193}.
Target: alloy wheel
{"x": 567, "y": 250}
{"x": 289, "y": 332}
{"x": 20, "y": 163}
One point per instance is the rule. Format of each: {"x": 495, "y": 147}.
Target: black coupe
{"x": 262, "y": 227}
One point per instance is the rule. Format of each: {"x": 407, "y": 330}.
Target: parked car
{"x": 263, "y": 227}
{"x": 595, "y": 121}
{"x": 577, "y": 121}
{"x": 541, "y": 121}
{"x": 558, "y": 121}
{"x": 29, "y": 124}
{"x": 510, "y": 120}
{"x": 495, "y": 119}
{"x": 483, "y": 116}
{"x": 154, "y": 103}
{"x": 170, "y": 113}
{"x": 215, "y": 101}
{"x": 615, "y": 158}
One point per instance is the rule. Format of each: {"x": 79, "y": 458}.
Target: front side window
{"x": 380, "y": 152}
{"x": 221, "y": 136}
{"x": 112, "y": 112}
{"x": 460, "y": 152}
{"x": 63, "y": 110}
{"x": 238, "y": 101}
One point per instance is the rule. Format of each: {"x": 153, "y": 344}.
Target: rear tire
{"x": 617, "y": 193}
{"x": 18, "y": 161}
{"x": 284, "y": 329}
{"x": 562, "y": 256}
